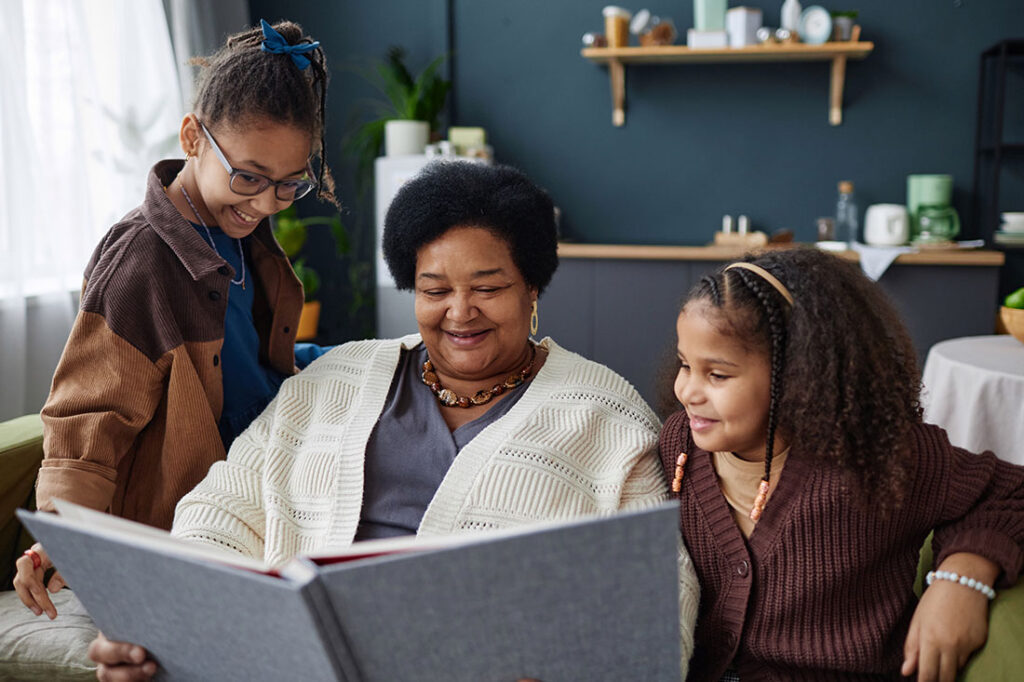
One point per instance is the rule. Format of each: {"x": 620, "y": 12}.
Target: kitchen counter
{"x": 981, "y": 257}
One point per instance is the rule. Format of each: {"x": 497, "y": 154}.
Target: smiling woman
{"x": 469, "y": 425}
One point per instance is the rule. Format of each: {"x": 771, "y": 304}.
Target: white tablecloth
{"x": 974, "y": 388}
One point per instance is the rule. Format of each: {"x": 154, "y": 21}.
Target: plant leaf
{"x": 309, "y": 278}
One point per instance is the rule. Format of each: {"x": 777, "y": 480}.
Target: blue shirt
{"x": 249, "y": 384}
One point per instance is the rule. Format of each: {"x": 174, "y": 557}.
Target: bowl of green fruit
{"x": 1012, "y": 314}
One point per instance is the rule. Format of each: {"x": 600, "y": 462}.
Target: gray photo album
{"x": 591, "y": 599}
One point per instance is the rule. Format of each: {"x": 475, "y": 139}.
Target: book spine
{"x": 332, "y": 635}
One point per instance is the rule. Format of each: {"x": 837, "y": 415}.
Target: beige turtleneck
{"x": 739, "y": 479}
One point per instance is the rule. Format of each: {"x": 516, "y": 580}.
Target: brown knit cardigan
{"x": 823, "y": 588}
{"x": 131, "y": 422}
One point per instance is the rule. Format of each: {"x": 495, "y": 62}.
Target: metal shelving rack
{"x": 992, "y": 152}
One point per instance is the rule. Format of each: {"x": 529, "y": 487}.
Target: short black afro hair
{"x": 458, "y": 193}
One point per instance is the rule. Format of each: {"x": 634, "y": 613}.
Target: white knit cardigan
{"x": 580, "y": 441}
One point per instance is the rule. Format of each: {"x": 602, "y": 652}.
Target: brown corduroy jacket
{"x": 823, "y": 587}
{"x": 131, "y": 420}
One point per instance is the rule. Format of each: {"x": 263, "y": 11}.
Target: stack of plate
{"x": 1011, "y": 232}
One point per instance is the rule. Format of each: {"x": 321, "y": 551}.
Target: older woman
{"x": 467, "y": 425}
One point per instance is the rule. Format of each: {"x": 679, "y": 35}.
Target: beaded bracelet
{"x": 963, "y": 580}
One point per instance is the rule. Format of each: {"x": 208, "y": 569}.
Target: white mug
{"x": 886, "y": 225}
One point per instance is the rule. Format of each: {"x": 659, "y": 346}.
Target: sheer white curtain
{"x": 90, "y": 99}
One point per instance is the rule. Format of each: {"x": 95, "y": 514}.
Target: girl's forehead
{"x": 709, "y": 330}
{"x": 702, "y": 312}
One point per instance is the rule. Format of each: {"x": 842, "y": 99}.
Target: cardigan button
{"x": 214, "y": 295}
{"x": 730, "y": 640}
{"x": 742, "y": 569}
{"x": 287, "y": 329}
{"x": 216, "y": 360}
{"x": 223, "y": 269}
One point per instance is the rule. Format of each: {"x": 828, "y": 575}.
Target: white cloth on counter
{"x": 875, "y": 260}
{"x": 974, "y": 388}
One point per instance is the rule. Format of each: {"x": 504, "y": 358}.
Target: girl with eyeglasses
{"x": 189, "y": 309}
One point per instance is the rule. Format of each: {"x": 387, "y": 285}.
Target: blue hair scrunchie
{"x": 274, "y": 42}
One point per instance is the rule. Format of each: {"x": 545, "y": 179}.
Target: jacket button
{"x": 742, "y": 568}
{"x": 216, "y": 360}
{"x": 287, "y": 329}
{"x": 214, "y": 295}
{"x": 223, "y": 269}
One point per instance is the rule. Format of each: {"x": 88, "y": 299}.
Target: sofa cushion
{"x": 37, "y": 648}
{"x": 1002, "y": 658}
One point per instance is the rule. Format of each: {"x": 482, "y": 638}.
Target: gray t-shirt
{"x": 411, "y": 450}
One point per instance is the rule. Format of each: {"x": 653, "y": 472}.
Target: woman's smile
{"x": 472, "y": 307}
{"x": 467, "y": 339}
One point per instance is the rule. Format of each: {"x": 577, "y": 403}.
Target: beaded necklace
{"x": 449, "y": 398}
{"x": 241, "y": 254}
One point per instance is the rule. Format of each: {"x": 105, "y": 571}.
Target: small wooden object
{"x": 750, "y": 240}
{"x": 1012, "y": 320}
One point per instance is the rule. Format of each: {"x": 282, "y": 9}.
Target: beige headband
{"x": 766, "y": 276}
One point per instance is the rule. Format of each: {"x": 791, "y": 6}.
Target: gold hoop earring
{"x": 534, "y": 320}
{"x": 188, "y": 155}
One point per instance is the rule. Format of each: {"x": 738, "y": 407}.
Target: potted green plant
{"x": 407, "y": 116}
{"x": 843, "y": 22}
{"x": 291, "y": 233}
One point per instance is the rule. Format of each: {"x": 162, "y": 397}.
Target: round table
{"x": 974, "y": 388}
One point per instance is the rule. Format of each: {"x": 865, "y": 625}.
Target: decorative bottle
{"x": 846, "y": 214}
{"x": 791, "y": 15}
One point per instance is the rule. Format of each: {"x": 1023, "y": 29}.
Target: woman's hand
{"x": 950, "y": 622}
{"x": 120, "y": 661}
{"x": 29, "y": 582}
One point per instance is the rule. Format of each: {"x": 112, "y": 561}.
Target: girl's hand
{"x": 29, "y": 583}
{"x": 120, "y": 661}
{"x": 950, "y": 622}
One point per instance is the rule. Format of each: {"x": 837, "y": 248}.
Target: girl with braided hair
{"x": 190, "y": 307}
{"x": 808, "y": 484}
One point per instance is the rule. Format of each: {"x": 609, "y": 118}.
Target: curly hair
{"x": 241, "y": 83}
{"x": 449, "y": 194}
{"x": 845, "y": 383}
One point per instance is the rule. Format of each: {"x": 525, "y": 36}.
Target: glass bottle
{"x": 846, "y": 215}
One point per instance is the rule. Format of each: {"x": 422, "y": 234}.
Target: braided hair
{"x": 774, "y": 309}
{"x": 845, "y": 384}
{"x": 240, "y": 83}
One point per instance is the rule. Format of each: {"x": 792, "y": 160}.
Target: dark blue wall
{"x": 704, "y": 140}
{"x": 700, "y": 140}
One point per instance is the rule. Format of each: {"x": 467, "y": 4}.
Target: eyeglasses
{"x": 248, "y": 183}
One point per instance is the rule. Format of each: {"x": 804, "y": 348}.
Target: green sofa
{"x": 21, "y": 451}
{"x": 31, "y": 647}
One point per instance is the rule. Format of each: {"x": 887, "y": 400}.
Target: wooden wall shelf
{"x": 836, "y": 52}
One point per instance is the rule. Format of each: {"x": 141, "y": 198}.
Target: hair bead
{"x": 759, "y": 501}
{"x": 677, "y": 481}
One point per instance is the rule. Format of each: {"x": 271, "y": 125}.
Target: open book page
{"x": 142, "y": 535}
{"x": 368, "y": 549}
{"x": 154, "y": 538}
